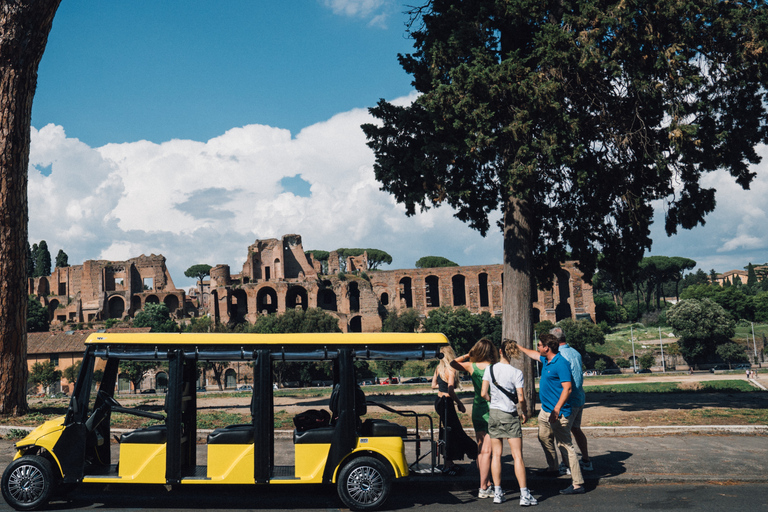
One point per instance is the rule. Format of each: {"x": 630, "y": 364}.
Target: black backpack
{"x": 311, "y": 418}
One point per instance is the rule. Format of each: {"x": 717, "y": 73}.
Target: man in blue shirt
{"x": 576, "y": 401}
{"x": 555, "y": 388}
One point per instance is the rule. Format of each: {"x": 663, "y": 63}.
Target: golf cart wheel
{"x": 364, "y": 484}
{"x": 28, "y": 482}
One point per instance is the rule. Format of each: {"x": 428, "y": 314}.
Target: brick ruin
{"x": 99, "y": 289}
{"x": 278, "y": 275}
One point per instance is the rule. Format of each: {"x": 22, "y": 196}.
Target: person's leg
{"x": 562, "y": 432}
{"x": 484, "y": 450}
{"x": 546, "y": 440}
{"x": 516, "y": 445}
{"x": 578, "y": 434}
{"x": 497, "y": 447}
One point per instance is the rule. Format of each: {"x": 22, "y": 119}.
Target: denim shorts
{"x": 504, "y": 425}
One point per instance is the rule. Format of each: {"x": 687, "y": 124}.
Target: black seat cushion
{"x": 232, "y": 434}
{"x": 313, "y": 436}
{"x": 382, "y": 428}
{"x": 156, "y": 434}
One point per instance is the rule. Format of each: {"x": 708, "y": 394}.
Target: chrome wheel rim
{"x": 26, "y": 484}
{"x": 365, "y": 485}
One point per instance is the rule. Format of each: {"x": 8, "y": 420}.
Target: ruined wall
{"x": 101, "y": 289}
{"x": 359, "y": 303}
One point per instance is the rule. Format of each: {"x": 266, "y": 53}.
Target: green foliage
{"x": 136, "y": 370}
{"x": 390, "y": 368}
{"x": 71, "y": 373}
{"x": 462, "y": 328}
{"x": 157, "y": 317}
{"x": 719, "y": 386}
{"x": 322, "y": 257}
{"x": 575, "y": 111}
{"x": 44, "y": 374}
{"x": 701, "y": 326}
{"x": 199, "y": 272}
{"x": 42, "y": 259}
{"x": 111, "y": 322}
{"x": 751, "y": 275}
{"x": 543, "y": 327}
{"x": 62, "y": 260}
{"x": 646, "y": 361}
{"x": 37, "y": 315}
{"x": 377, "y": 257}
{"x": 205, "y": 324}
{"x": 608, "y": 311}
{"x": 296, "y": 320}
{"x": 623, "y": 363}
{"x": 731, "y": 353}
{"x": 434, "y": 262}
{"x": 580, "y": 333}
{"x": 600, "y": 365}
{"x": 408, "y": 320}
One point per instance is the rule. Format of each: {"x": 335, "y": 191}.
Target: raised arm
{"x": 462, "y": 364}
{"x": 533, "y": 354}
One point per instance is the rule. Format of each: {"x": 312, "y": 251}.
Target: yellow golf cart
{"x": 361, "y": 456}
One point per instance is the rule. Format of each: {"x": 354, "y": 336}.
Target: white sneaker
{"x": 527, "y": 501}
{"x": 485, "y": 493}
{"x": 586, "y": 466}
{"x": 564, "y": 469}
{"x": 499, "y": 498}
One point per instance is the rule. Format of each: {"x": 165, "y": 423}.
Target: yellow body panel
{"x": 142, "y": 463}
{"x": 230, "y": 463}
{"x": 392, "y": 448}
{"x": 45, "y": 436}
{"x": 310, "y": 462}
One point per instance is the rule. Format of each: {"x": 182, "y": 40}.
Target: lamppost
{"x": 663, "y": 364}
{"x": 634, "y": 359}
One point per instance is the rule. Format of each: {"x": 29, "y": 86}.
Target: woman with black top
{"x": 457, "y": 442}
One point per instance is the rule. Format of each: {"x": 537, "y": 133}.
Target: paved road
{"x": 425, "y": 498}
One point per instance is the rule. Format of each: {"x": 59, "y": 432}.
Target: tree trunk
{"x": 24, "y": 28}
{"x": 518, "y": 290}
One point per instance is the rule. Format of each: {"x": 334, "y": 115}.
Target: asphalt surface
{"x": 729, "y": 454}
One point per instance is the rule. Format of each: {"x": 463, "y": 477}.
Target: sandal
{"x": 453, "y": 470}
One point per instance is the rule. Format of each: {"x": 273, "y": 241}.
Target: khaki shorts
{"x": 575, "y": 418}
{"x": 504, "y": 425}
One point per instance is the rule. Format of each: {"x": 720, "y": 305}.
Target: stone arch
{"x": 161, "y": 381}
{"x": 432, "y": 291}
{"x": 151, "y": 299}
{"x": 172, "y": 302}
{"x": 355, "y": 324}
{"x": 458, "y": 284}
{"x": 215, "y": 305}
{"x": 135, "y": 305}
{"x": 326, "y": 299}
{"x": 43, "y": 288}
{"x": 562, "y": 295}
{"x": 116, "y": 306}
{"x": 406, "y": 293}
{"x": 266, "y": 300}
{"x": 277, "y": 267}
{"x": 230, "y": 378}
{"x": 239, "y": 306}
{"x": 296, "y": 297}
{"x": 535, "y": 315}
{"x": 384, "y": 299}
{"x": 354, "y": 297}
{"x": 482, "y": 288}
{"x": 52, "y": 306}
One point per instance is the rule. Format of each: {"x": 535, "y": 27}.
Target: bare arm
{"x": 485, "y": 393}
{"x": 452, "y": 392}
{"x": 462, "y": 364}
{"x": 533, "y": 354}
{"x": 434, "y": 380}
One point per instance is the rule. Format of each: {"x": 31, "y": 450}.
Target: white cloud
{"x": 375, "y": 11}
{"x": 205, "y": 202}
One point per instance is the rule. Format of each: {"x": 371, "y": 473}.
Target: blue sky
{"x": 191, "y": 129}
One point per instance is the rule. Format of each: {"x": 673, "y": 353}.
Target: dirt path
{"x": 602, "y": 409}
